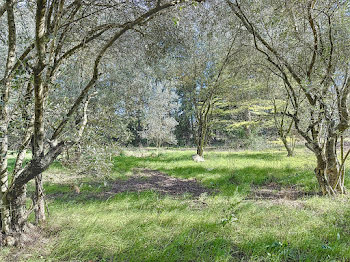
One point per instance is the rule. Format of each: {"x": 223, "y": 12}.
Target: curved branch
{"x": 98, "y": 59}
{"x": 235, "y": 7}
{"x": 314, "y": 33}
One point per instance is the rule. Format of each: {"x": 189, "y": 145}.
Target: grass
{"x": 221, "y": 169}
{"x": 224, "y": 226}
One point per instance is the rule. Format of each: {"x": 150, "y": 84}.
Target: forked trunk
{"x": 329, "y": 175}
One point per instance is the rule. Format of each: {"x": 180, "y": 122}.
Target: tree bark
{"x": 18, "y": 209}
{"x": 5, "y": 118}
{"x": 39, "y": 207}
{"x": 328, "y": 171}
{"x": 39, "y": 129}
{"x": 15, "y": 214}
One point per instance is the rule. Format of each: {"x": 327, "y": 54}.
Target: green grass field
{"x": 229, "y": 224}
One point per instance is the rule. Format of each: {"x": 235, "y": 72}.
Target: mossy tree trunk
{"x": 328, "y": 171}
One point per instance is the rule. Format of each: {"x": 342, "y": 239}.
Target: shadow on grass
{"x": 89, "y": 191}
{"x": 157, "y": 230}
{"x": 269, "y": 156}
{"x": 143, "y": 180}
{"x": 225, "y": 178}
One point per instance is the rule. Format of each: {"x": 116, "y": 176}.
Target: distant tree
{"x": 207, "y": 68}
{"x": 159, "y": 120}
{"x": 284, "y": 126}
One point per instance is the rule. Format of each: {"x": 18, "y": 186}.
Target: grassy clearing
{"x": 231, "y": 171}
{"x": 224, "y": 226}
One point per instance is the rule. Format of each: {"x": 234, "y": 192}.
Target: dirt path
{"x": 275, "y": 191}
{"x": 146, "y": 179}
{"x": 275, "y": 194}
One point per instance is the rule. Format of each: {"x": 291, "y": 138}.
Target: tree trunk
{"x": 202, "y": 129}
{"x": 201, "y": 139}
{"x": 248, "y": 118}
{"x": 286, "y": 145}
{"x": 14, "y": 210}
{"x": 328, "y": 172}
{"x": 15, "y": 216}
{"x": 39, "y": 207}
{"x": 18, "y": 209}
{"x": 5, "y": 84}
{"x": 320, "y": 172}
{"x": 5, "y": 215}
{"x": 343, "y": 159}
{"x": 200, "y": 150}
{"x": 39, "y": 98}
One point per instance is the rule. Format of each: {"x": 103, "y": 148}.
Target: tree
{"x": 62, "y": 32}
{"x": 204, "y": 73}
{"x": 284, "y": 127}
{"x": 304, "y": 43}
{"x": 159, "y": 122}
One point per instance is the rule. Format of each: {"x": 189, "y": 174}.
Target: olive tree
{"x": 59, "y": 32}
{"x": 305, "y": 45}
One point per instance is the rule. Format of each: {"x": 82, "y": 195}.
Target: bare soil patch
{"x": 145, "y": 179}
{"x": 274, "y": 191}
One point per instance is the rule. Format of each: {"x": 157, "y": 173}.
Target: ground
{"x": 235, "y": 206}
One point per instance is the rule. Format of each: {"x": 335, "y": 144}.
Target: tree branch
{"x": 314, "y": 32}
{"x": 2, "y": 9}
{"x": 111, "y": 41}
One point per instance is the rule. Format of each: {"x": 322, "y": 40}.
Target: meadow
{"x": 238, "y": 206}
